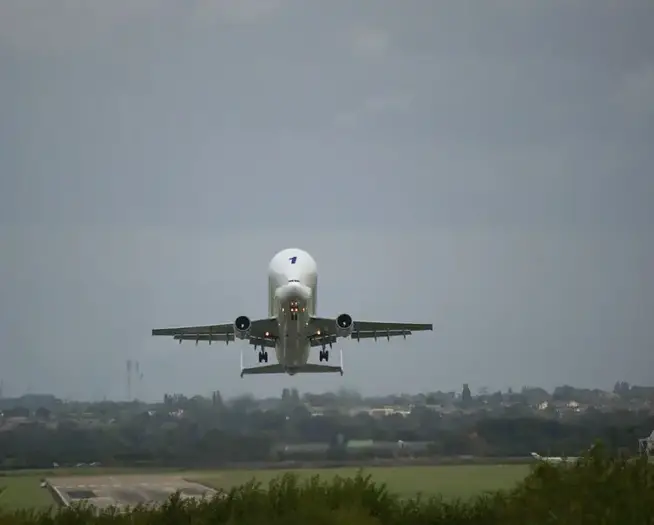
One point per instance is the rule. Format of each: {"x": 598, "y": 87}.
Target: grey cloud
{"x": 233, "y": 11}
{"x": 73, "y": 26}
{"x": 636, "y": 94}
{"x": 370, "y": 42}
{"x": 486, "y": 169}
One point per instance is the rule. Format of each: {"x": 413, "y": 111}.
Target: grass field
{"x": 452, "y": 481}
{"x": 22, "y": 489}
{"x": 23, "y": 492}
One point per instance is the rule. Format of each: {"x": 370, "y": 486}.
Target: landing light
{"x": 267, "y": 334}
{"x": 318, "y": 332}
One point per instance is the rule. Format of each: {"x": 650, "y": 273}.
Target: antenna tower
{"x": 129, "y": 380}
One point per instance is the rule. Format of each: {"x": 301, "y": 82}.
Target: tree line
{"x": 190, "y": 432}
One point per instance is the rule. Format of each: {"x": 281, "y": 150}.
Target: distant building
{"x": 646, "y": 445}
{"x": 388, "y": 411}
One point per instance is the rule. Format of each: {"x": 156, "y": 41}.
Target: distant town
{"x": 563, "y": 402}
{"x": 42, "y": 430}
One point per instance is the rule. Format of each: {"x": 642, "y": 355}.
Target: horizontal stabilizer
{"x": 319, "y": 369}
{"x": 266, "y": 369}
{"x": 280, "y": 369}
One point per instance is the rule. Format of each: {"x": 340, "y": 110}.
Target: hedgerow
{"x": 597, "y": 489}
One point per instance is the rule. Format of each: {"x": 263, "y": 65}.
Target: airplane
{"x": 292, "y": 327}
{"x": 553, "y": 459}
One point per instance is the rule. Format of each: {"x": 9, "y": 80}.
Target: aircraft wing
{"x": 263, "y": 332}
{"x": 364, "y": 330}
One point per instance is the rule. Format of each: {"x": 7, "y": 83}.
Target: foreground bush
{"x": 596, "y": 490}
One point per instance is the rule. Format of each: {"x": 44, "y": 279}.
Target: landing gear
{"x": 263, "y": 357}
{"x": 323, "y": 355}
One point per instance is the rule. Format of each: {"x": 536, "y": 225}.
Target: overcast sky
{"x": 485, "y": 166}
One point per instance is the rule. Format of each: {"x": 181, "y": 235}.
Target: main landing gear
{"x": 263, "y": 357}
{"x": 323, "y": 355}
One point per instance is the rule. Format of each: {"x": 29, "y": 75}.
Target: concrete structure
{"x": 125, "y": 490}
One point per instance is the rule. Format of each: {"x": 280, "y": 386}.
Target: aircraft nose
{"x": 294, "y": 290}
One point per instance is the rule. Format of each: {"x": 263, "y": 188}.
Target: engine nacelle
{"x": 242, "y": 327}
{"x": 344, "y": 325}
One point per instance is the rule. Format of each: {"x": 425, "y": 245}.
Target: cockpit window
{"x": 293, "y": 280}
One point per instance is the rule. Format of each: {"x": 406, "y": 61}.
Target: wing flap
{"x": 385, "y": 334}
{"x": 225, "y": 338}
{"x": 220, "y": 338}
{"x": 214, "y": 329}
{"x": 330, "y": 339}
{"x": 374, "y": 326}
{"x": 327, "y": 339}
{"x": 268, "y": 342}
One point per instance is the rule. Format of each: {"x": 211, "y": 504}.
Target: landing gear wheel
{"x": 263, "y": 357}
{"x": 324, "y": 355}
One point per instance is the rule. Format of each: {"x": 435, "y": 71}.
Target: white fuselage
{"x": 292, "y": 295}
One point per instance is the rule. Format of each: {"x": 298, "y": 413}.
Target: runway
{"x": 125, "y": 490}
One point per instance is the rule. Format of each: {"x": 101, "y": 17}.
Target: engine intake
{"x": 242, "y": 327}
{"x": 344, "y": 325}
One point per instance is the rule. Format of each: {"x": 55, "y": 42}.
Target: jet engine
{"x": 344, "y": 325}
{"x": 242, "y": 327}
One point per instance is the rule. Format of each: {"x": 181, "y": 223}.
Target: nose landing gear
{"x": 263, "y": 357}
{"x": 323, "y": 355}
